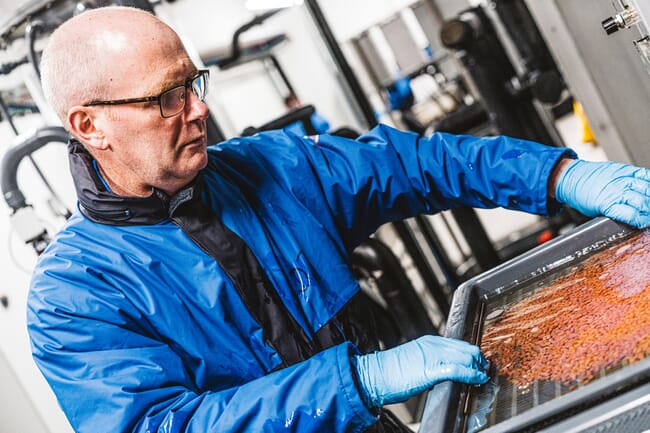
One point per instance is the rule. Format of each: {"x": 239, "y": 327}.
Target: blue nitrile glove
{"x": 397, "y": 374}
{"x": 617, "y": 191}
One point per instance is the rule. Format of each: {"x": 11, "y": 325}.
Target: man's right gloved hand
{"x": 397, "y": 374}
{"x": 618, "y": 191}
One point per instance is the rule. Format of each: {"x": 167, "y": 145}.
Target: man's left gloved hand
{"x": 397, "y": 374}
{"x": 618, "y": 191}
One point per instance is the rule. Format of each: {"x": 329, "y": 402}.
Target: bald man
{"x": 206, "y": 288}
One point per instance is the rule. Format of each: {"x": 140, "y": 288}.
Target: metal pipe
{"x": 422, "y": 265}
{"x": 344, "y": 67}
{"x": 283, "y": 75}
{"x": 476, "y": 237}
{"x": 396, "y": 289}
{"x": 6, "y": 68}
{"x": 5, "y": 113}
{"x": 438, "y": 251}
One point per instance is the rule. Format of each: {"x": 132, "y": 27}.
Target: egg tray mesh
{"x": 564, "y": 326}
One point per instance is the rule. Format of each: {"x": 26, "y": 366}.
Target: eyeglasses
{"x": 172, "y": 101}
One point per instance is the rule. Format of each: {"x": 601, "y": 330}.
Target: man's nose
{"x": 196, "y": 107}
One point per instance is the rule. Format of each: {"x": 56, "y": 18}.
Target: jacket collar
{"x": 106, "y": 207}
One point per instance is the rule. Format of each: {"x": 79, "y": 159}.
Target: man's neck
{"x": 123, "y": 189}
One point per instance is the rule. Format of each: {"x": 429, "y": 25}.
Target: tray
{"x": 529, "y": 398}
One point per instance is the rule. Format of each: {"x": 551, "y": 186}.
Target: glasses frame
{"x": 189, "y": 84}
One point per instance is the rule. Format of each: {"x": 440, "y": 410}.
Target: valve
{"x": 622, "y": 20}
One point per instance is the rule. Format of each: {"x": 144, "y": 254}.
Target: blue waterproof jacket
{"x": 137, "y": 329}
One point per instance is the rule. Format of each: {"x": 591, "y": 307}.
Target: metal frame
{"x": 445, "y": 408}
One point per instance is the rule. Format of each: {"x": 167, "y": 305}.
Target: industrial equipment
{"x": 23, "y": 218}
{"x": 604, "y": 72}
{"x": 496, "y": 92}
{"x": 632, "y": 15}
{"x": 508, "y": 96}
{"x": 565, "y": 327}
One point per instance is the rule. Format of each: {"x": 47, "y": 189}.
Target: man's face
{"x": 147, "y": 149}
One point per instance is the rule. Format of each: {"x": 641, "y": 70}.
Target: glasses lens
{"x": 172, "y": 101}
{"x": 200, "y": 85}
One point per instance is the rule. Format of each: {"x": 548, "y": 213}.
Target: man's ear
{"x": 84, "y": 125}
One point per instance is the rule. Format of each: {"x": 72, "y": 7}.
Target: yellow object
{"x": 587, "y": 133}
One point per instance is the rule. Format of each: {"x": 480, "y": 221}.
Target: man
{"x": 207, "y": 289}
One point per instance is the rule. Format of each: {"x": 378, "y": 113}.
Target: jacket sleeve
{"x": 387, "y": 174}
{"x": 112, "y": 374}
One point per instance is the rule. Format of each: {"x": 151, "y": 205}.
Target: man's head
{"x": 292, "y": 102}
{"x": 118, "y": 53}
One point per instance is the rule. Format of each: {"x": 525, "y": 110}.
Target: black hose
{"x": 31, "y": 32}
{"x": 12, "y": 158}
{"x": 5, "y": 112}
{"x": 235, "y": 51}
